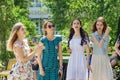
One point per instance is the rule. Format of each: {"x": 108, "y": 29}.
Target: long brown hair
{"x": 83, "y": 34}
{"x": 101, "y": 19}
{"x": 45, "y": 26}
{"x": 13, "y": 36}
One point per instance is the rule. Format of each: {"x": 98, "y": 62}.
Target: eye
{"x": 23, "y": 29}
{"x": 74, "y": 23}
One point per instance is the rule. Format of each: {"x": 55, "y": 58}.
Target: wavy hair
{"x": 101, "y": 19}
{"x": 13, "y": 36}
{"x": 83, "y": 34}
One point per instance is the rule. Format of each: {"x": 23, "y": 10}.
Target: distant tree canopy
{"x": 63, "y": 11}
{"x": 12, "y": 11}
{"x": 88, "y": 11}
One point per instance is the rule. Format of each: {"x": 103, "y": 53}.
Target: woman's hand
{"x": 89, "y": 68}
{"x": 69, "y": 50}
{"x": 60, "y": 73}
{"x": 42, "y": 73}
{"x": 108, "y": 29}
{"x": 39, "y": 48}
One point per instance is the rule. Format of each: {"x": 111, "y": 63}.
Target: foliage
{"x": 10, "y": 14}
{"x": 116, "y": 72}
{"x": 88, "y": 11}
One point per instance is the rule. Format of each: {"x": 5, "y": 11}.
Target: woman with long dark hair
{"x": 100, "y": 64}
{"x": 77, "y": 43}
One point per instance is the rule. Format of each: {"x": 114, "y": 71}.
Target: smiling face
{"x": 76, "y": 25}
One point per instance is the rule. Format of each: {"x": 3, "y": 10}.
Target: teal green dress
{"x": 49, "y": 59}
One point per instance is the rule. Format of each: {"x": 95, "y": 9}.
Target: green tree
{"x": 88, "y": 11}
{"x": 11, "y": 13}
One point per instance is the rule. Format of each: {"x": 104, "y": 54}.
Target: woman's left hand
{"x": 40, "y": 47}
{"x": 89, "y": 68}
{"x": 60, "y": 73}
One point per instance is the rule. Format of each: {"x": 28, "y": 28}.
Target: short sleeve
{"x": 59, "y": 39}
{"x": 41, "y": 39}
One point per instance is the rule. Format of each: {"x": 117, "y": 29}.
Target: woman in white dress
{"x": 78, "y": 42}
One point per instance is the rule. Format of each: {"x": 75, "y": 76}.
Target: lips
{"x": 76, "y": 26}
{"x": 99, "y": 28}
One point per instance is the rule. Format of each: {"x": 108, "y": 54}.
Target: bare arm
{"x": 88, "y": 57}
{"x": 99, "y": 44}
{"x": 39, "y": 60}
{"x": 88, "y": 54}
{"x": 69, "y": 50}
{"x": 60, "y": 54}
{"x": 22, "y": 57}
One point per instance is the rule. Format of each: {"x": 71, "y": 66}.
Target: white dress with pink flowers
{"x": 21, "y": 71}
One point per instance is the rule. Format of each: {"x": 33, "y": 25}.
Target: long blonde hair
{"x": 13, "y": 36}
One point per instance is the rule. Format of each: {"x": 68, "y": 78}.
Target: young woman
{"x": 116, "y": 55}
{"x": 49, "y": 67}
{"x": 78, "y": 42}
{"x": 101, "y": 68}
{"x": 22, "y": 70}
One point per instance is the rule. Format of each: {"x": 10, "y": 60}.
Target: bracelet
{"x": 61, "y": 68}
{"x": 103, "y": 38}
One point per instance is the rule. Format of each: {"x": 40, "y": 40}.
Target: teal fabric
{"x": 98, "y": 50}
{"x": 49, "y": 58}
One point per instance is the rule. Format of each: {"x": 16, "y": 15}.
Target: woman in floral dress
{"x": 22, "y": 70}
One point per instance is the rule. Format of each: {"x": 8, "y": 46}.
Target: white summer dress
{"x": 77, "y": 68}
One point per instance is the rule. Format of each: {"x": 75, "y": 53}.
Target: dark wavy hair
{"x": 83, "y": 34}
{"x": 101, "y": 19}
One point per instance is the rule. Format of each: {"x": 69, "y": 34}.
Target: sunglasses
{"x": 50, "y": 26}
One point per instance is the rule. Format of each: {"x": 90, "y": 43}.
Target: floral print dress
{"x": 21, "y": 71}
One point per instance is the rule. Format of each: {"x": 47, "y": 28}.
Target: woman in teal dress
{"x": 49, "y": 66}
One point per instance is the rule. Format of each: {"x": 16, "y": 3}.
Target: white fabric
{"x": 77, "y": 69}
{"x": 101, "y": 68}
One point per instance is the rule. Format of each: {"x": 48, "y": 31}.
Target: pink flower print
{"x": 22, "y": 70}
{"x": 28, "y": 78}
